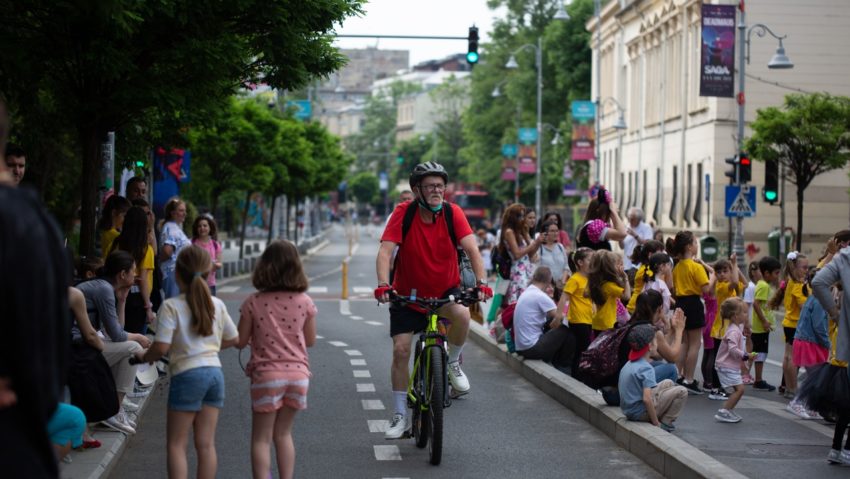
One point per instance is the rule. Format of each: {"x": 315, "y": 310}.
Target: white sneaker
{"x": 797, "y": 409}
{"x": 459, "y": 382}
{"x": 724, "y": 415}
{"x": 398, "y": 426}
{"x": 139, "y": 392}
{"x": 844, "y": 457}
{"x": 834, "y": 456}
{"x": 129, "y": 406}
{"x": 119, "y": 423}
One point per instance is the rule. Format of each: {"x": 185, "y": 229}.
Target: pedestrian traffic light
{"x": 745, "y": 168}
{"x": 140, "y": 164}
{"x": 732, "y": 172}
{"x": 770, "y": 193}
{"x": 472, "y": 49}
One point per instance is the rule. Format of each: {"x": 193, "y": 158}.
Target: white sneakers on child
{"x": 120, "y": 423}
{"x": 725, "y": 415}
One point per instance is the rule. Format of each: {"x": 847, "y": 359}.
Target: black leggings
{"x": 709, "y": 373}
{"x": 582, "y": 333}
{"x": 840, "y": 428}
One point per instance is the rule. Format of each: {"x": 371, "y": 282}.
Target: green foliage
{"x": 152, "y": 66}
{"x": 809, "y": 135}
{"x": 364, "y": 187}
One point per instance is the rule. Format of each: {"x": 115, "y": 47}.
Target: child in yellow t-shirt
{"x": 641, "y": 256}
{"x": 575, "y": 297}
{"x": 728, "y": 285}
{"x": 608, "y": 286}
{"x": 792, "y": 295}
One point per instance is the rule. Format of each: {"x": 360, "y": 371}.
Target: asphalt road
{"x": 504, "y": 428}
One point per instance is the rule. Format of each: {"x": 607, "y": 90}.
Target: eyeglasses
{"x": 434, "y": 187}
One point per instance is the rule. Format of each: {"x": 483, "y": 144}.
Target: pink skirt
{"x": 807, "y": 354}
{"x": 271, "y": 390}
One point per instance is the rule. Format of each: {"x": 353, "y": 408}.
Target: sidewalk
{"x": 769, "y": 443}
{"x": 97, "y": 463}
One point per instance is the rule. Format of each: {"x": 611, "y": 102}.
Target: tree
{"x": 364, "y": 186}
{"x": 104, "y": 64}
{"x": 450, "y": 99}
{"x": 809, "y": 135}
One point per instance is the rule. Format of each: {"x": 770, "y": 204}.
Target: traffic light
{"x": 770, "y": 193}
{"x": 745, "y": 168}
{"x": 140, "y": 163}
{"x": 732, "y": 172}
{"x": 472, "y": 49}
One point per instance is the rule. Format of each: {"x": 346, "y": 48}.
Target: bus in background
{"x": 473, "y": 200}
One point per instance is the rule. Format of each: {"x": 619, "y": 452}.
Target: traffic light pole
{"x": 738, "y": 243}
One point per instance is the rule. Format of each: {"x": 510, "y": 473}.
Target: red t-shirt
{"x": 427, "y": 260}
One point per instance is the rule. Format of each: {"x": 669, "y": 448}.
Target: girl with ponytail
{"x": 580, "y": 312}
{"x": 659, "y": 276}
{"x": 194, "y": 326}
{"x": 792, "y": 294}
{"x": 640, "y": 256}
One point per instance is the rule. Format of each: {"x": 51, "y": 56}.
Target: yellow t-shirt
{"x": 147, "y": 264}
{"x": 106, "y": 239}
{"x": 688, "y": 278}
{"x": 833, "y": 340}
{"x": 639, "y": 277}
{"x": 606, "y": 315}
{"x": 723, "y": 291}
{"x": 581, "y": 307}
{"x": 794, "y": 300}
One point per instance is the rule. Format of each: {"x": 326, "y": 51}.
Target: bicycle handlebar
{"x": 434, "y": 303}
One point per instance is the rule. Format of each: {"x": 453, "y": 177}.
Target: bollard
{"x": 350, "y": 241}
{"x": 345, "y": 278}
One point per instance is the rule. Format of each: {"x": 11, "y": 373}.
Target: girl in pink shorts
{"x": 279, "y": 322}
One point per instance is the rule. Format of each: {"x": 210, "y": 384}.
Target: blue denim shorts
{"x": 192, "y": 389}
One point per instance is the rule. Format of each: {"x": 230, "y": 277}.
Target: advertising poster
{"x": 170, "y": 168}
{"x": 583, "y": 135}
{"x": 717, "y": 65}
{"x": 527, "y": 156}
{"x": 509, "y": 152}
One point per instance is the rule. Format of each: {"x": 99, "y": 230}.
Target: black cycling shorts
{"x": 404, "y": 319}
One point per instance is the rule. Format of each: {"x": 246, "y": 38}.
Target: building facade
{"x": 670, "y": 158}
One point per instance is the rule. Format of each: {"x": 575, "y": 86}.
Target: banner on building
{"x": 583, "y": 136}
{"x": 170, "y": 168}
{"x": 717, "y": 66}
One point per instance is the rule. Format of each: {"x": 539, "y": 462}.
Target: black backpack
{"x": 467, "y": 276}
{"x": 501, "y": 260}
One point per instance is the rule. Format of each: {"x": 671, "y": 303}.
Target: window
{"x": 699, "y": 200}
{"x": 687, "y": 201}
{"x": 674, "y": 196}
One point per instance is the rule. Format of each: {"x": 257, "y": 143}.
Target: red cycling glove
{"x": 486, "y": 291}
{"x": 380, "y": 291}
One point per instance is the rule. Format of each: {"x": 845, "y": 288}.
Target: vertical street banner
{"x": 717, "y": 65}
{"x": 509, "y": 152}
{"x": 583, "y": 136}
{"x": 570, "y": 184}
{"x": 527, "y": 156}
{"x": 170, "y": 168}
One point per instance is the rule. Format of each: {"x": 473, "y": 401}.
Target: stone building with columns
{"x": 670, "y": 158}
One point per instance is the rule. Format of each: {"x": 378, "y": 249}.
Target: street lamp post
{"x": 597, "y": 11}
{"x": 561, "y": 14}
{"x": 779, "y": 61}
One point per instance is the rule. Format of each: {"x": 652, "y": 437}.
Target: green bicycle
{"x": 428, "y": 389}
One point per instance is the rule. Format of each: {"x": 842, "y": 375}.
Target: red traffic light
{"x": 745, "y": 161}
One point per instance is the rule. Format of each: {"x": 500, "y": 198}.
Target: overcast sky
{"x": 418, "y": 17}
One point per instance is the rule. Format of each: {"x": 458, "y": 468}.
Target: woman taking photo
{"x": 522, "y": 249}
{"x": 172, "y": 239}
{"x": 602, "y": 223}
{"x": 563, "y": 237}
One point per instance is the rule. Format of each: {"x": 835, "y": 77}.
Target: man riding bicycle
{"x": 427, "y": 262}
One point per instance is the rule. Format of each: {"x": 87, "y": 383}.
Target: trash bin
{"x": 773, "y": 242}
{"x": 709, "y": 248}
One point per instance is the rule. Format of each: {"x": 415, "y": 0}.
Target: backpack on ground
{"x": 601, "y": 360}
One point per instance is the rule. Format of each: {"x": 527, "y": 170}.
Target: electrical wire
{"x": 777, "y": 84}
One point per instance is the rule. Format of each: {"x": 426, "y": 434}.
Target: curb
{"x": 664, "y": 452}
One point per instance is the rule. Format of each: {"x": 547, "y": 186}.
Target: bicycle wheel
{"x": 419, "y": 425}
{"x": 435, "y": 400}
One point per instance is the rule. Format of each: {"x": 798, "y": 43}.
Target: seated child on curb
{"x": 731, "y": 354}
{"x": 641, "y": 399}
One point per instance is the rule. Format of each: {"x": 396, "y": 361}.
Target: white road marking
{"x": 362, "y": 373}
{"x": 354, "y": 249}
{"x": 378, "y": 425}
{"x": 357, "y": 362}
{"x": 374, "y": 323}
{"x": 319, "y": 337}
{"x": 357, "y": 318}
{"x": 362, "y": 290}
{"x": 775, "y": 363}
{"x": 353, "y": 352}
{"x": 372, "y": 404}
{"x": 344, "y": 307}
{"x": 318, "y": 289}
{"x": 228, "y": 289}
{"x": 387, "y": 453}
{"x": 338, "y": 344}
{"x": 365, "y": 387}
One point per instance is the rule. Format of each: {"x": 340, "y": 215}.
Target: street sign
{"x": 383, "y": 181}
{"x": 527, "y": 135}
{"x": 740, "y": 201}
{"x": 509, "y": 151}
{"x": 303, "y": 109}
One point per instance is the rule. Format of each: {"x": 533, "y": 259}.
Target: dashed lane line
{"x": 372, "y": 404}
{"x": 358, "y": 362}
{"x": 374, "y": 323}
{"x": 227, "y": 289}
{"x": 378, "y": 425}
{"x": 353, "y": 352}
{"x": 357, "y": 318}
{"x": 344, "y": 307}
{"x": 362, "y": 373}
{"x": 365, "y": 387}
{"x": 338, "y": 344}
{"x": 387, "y": 453}
{"x": 317, "y": 289}
{"x": 319, "y": 337}
{"x": 361, "y": 290}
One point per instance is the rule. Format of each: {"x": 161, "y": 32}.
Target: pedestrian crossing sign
{"x": 740, "y": 201}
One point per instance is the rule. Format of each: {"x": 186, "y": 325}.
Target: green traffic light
{"x": 140, "y": 164}
{"x": 472, "y": 57}
{"x": 770, "y": 195}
